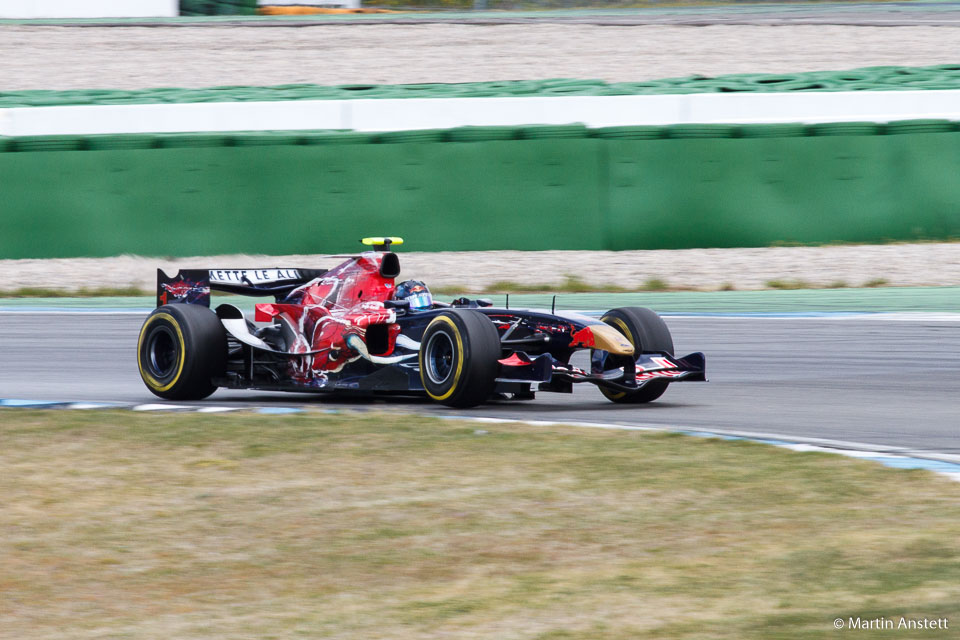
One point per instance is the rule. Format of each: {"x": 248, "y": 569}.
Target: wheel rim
{"x": 440, "y": 355}
{"x": 162, "y": 353}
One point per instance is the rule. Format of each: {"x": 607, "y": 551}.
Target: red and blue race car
{"x": 353, "y": 329}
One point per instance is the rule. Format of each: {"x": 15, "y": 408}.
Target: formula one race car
{"x": 352, "y": 329}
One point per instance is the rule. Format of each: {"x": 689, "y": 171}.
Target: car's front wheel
{"x": 182, "y": 347}
{"x": 646, "y": 331}
{"x": 458, "y": 358}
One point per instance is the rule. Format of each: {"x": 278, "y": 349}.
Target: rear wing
{"x": 193, "y": 286}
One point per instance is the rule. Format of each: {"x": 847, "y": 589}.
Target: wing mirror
{"x": 396, "y": 304}
{"x": 467, "y": 302}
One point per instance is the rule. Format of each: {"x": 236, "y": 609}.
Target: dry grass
{"x": 122, "y": 525}
{"x": 570, "y": 284}
{"x": 82, "y": 292}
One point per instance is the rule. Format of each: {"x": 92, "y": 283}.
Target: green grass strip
{"x": 880, "y": 299}
{"x": 391, "y": 526}
{"x": 889, "y": 78}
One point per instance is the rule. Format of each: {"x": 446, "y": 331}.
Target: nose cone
{"x": 603, "y": 337}
{"x": 609, "y": 339}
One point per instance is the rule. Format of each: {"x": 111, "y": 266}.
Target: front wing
{"x": 554, "y": 375}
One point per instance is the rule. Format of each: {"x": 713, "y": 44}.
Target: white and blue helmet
{"x": 416, "y": 292}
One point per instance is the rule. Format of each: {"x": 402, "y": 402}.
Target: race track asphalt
{"x": 859, "y": 378}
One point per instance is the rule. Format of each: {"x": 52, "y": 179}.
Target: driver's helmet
{"x": 416, "y": 292}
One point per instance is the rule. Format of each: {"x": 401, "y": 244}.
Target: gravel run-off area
{"x": 700, "y": 269}
{"x": 136, "y": 57}
{"x": 142, "y": 57}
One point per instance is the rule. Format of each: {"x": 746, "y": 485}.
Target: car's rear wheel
{"x": 458, "y": 358}
{"x": 182, "y": 347}
{"x": 647, "y": 332}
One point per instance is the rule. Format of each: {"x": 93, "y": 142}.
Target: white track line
{"x": 883, "y": 454}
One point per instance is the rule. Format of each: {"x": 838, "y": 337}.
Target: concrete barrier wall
{"x": 555, "y": 188}
{"x": 300, "y": 199}
{"x": 757, "y": 192}
{"x": 413, "y": 113}
{"x": 28, "y": 9}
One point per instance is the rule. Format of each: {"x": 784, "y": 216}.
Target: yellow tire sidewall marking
{"x": 625, "y": 330}
{"x": 459, "y": 370}
{"x": 150, "y": 380}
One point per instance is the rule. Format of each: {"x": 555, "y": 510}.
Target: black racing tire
{"x": 647, "y": 332}
{"x": 182, "y": 347}
{"x": 458, "y": 358}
